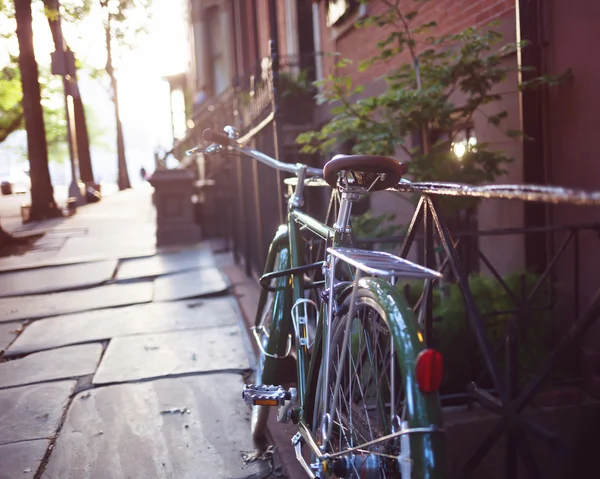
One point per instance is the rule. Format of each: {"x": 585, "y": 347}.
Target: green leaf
{"x": 514, "y": 133}
{"x": 344, "y": 62}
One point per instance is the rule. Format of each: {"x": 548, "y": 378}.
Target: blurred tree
{"x": 11, "y": 109}
{"x": 52, "y": 10}
{"x": 123, "y": 176}
{"x": 435, "y": 85}
{"x": 118, "y": 31}
{"x": 42, "y": 194}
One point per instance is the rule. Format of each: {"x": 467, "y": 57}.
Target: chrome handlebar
{"x": 220, "y": 141}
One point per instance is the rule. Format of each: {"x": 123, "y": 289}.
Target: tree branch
{"x": 13, "y": 125}
{"x": 409, "y": 38}
{"x": 349, "y": 107}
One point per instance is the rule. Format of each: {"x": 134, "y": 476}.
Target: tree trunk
{"x": 86, "y": 171}
{"x": 42, "y": 194}
{"x": 123, "y": 176}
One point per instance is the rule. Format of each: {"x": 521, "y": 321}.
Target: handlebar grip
{"x": 213, "y": 136}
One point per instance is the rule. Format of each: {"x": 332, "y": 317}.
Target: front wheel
{"x": 366, "y": 392}
{"x": 272, "y": 327}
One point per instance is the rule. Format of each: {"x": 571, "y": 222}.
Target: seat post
{"x": 342, "y": 223}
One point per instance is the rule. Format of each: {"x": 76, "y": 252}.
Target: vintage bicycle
{"x": 365, "y": 397}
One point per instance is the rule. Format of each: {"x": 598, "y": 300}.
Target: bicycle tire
{"x": 276, "y": 301}
{"x": 363, "y": 409}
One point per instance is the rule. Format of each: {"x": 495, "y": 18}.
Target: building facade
{"x": 230, "y": 40}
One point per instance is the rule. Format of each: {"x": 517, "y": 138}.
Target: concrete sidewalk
{"x": 121, "y": 361}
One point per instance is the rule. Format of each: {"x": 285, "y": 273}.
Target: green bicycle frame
{"x": 288, "y": 247}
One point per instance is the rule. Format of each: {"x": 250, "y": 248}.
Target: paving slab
{"x": 8, "y": 332}
{"x": 110, "y": 323}
{"x": 63, "y": 363}
{"x": 32, "y": 412}
{"x": 30, "y": 260}
{"x": 148, "y": 356}
{"x": 126, "y": 431}
{"x": 57, "y": 278}
{"x": 191, "y": 284}
{"x": 165, "y": 263}
{"x": 44, "y": 305}
{"x": 22, "y": 459}
{"x": 111, "y": 246}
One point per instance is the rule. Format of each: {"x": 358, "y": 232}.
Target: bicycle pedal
{"x": 265, "y": 395}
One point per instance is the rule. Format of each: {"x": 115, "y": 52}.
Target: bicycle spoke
{"x": 365, "y": 407}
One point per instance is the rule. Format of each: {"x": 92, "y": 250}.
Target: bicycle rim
{"x": 369, "y": 402}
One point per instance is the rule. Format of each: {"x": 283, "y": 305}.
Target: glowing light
{"x": 459, "y": 149}
{"x": 462, "y": 145}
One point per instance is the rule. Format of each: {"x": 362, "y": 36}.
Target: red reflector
{"x": 429, "y": 370}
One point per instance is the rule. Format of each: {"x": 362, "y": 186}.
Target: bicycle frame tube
{"x": 298, "y": 220}
{"x": 312, "y": 224}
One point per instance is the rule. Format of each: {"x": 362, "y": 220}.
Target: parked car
{"x": 17, "y": 182}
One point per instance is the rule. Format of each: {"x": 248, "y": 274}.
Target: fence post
{"x": 274, "y": 51}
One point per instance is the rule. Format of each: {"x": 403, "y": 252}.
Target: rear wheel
{"x": 365, "y": 394}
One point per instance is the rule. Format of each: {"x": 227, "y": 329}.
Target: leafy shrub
{"x": 455, "y": 340}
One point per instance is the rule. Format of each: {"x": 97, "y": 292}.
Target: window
{"x": 217, "y": 62}
{"x": 339, "y": 10}
{"x": 341, "y": 15}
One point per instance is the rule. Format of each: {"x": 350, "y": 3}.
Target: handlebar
{"x": 213, "y": 136}
{"x": 227, "y": 141}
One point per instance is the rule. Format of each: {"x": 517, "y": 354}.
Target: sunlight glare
{"x": 162, "y": 51}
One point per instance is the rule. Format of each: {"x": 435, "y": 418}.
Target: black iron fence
{"x": 241, "y": 200}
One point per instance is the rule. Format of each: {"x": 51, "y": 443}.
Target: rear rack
{"x": 377, "y": 263}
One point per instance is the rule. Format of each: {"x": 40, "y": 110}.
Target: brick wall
{"x": 452, "y": 16}
{"x": 264, "y": 30}
{"x": 262, "y": 16}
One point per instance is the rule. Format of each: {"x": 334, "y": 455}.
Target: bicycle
{"x": 365, "y": 400}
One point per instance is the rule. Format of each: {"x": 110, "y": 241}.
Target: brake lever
{"x": 198, "y": 149}
{"x": 210, "y": 150}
